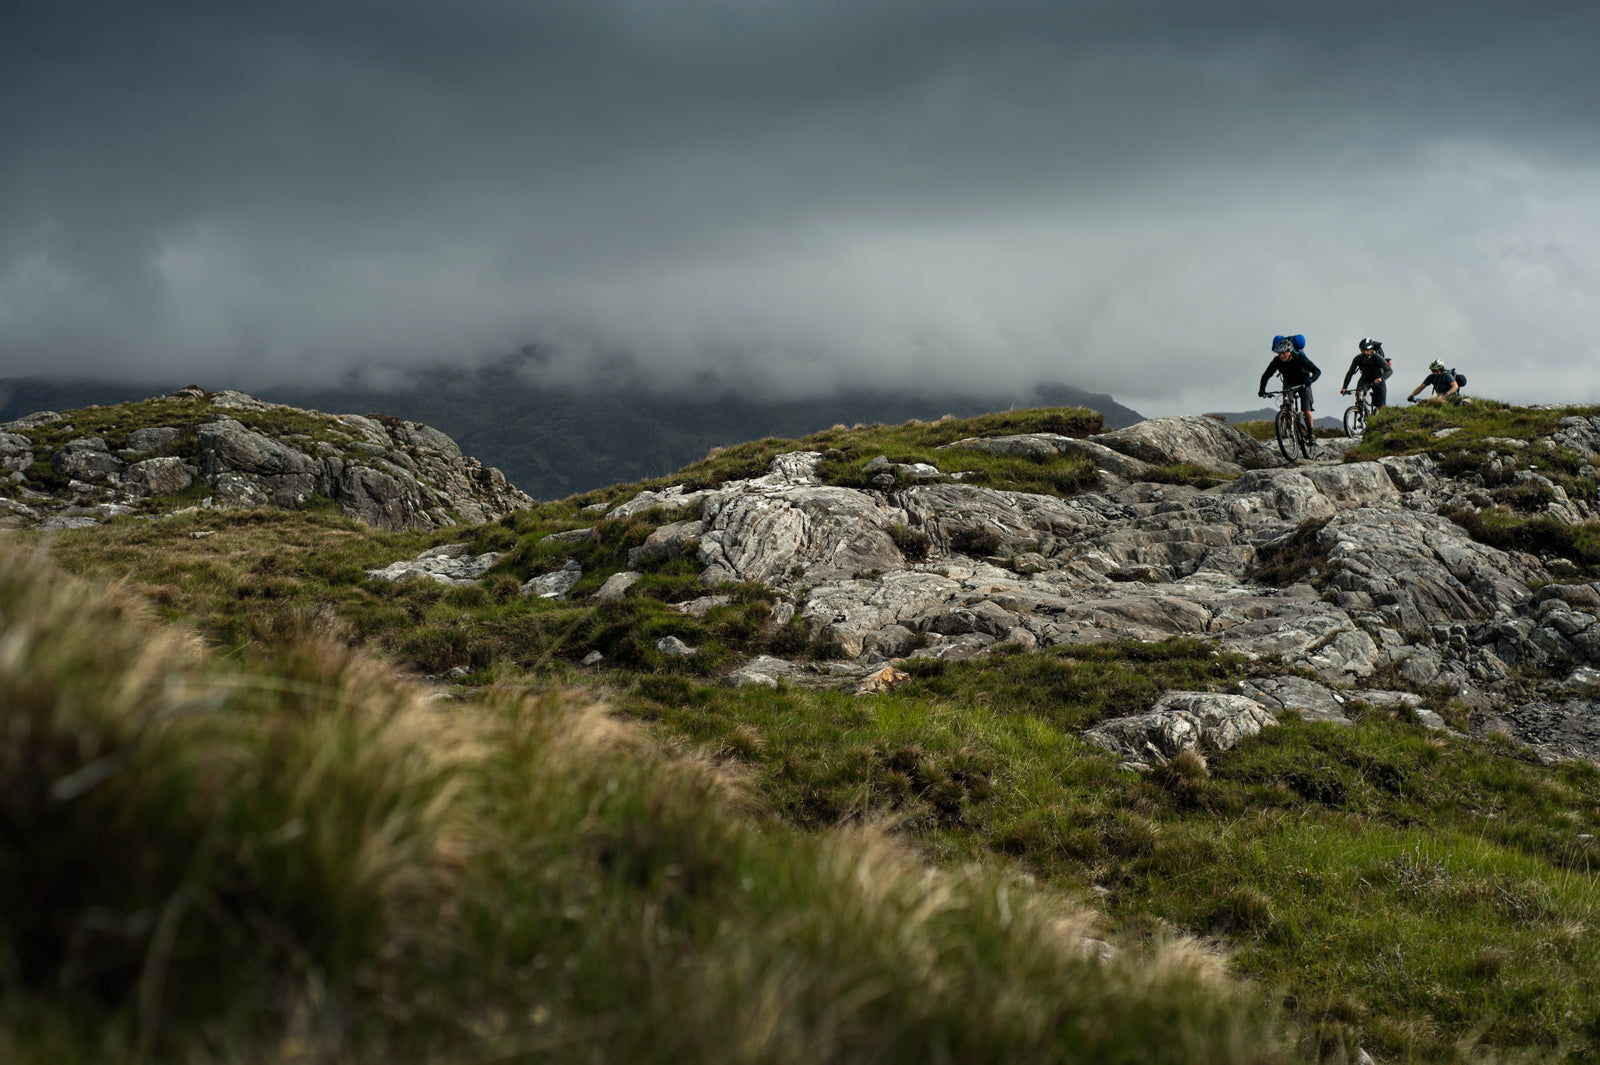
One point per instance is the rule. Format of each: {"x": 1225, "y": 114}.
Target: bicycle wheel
{"x": 1355, "y": 421}
{"x": 1285, "y": 429}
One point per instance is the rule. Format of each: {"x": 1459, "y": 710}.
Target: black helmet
{"x": 1368, "y": 344}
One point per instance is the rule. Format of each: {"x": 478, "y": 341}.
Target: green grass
{"x": 1475, "y": 443}
{"x": 1304, "y": 849}
{"x": 301, "y": 860}
{"x": 846, "y": 449}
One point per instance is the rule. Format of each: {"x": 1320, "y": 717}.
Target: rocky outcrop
{"x": 382, "y": 472}
{"x": 1395, "y": 588}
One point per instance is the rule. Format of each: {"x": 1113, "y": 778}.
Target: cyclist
{"x": 1444, "y": 384}
{"x": 1289, "y": 360}
{"x": 1374, "y": 368}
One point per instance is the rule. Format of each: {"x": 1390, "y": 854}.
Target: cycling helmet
{"x": 1366, "y": 344}
{"x": 1436, "y": 366}
{"x": 1281, "y": 344}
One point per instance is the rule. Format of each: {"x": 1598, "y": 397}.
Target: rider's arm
{"x": 1315, "y": 372}
{"x": 1354, "y": 365}
{"x": 1272, "y": 368}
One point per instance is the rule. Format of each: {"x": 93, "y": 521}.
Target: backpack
{"x": 1461, "y": 378}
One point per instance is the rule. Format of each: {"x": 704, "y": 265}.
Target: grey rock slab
{"x": 16, "y": 452}
{"x": 240, "y": 401}
{"x": 162, "y": 476}
{"x": 1297, "y": 695}
{"x": 33, "y": 421}
{"x": 1562, "y": 731}
{"x": 1182, "y": 721}
{"x": 849, "y": 611}
{"x": 153, "y": 439}
{"x": 1048, "y": 445}
{"x": 960, "y": 648}
{"x": 555, "y": 584}
{"x": 703, "y": 605}
{"x": 774, "y": 530}
{"x": 86, "y": 458}
{"x": 570, "y": 536}
{"x": 1420, "y": 569}
{"x": 676, "y": 498}
{"x": 616, "y": 586}
{"x": 451, "y": 564}
{"x": 1198, "y": 441}
{"x": 677, "y": 539}
{"x": 1387, "y": 699}
{"x": 956, "y": 516}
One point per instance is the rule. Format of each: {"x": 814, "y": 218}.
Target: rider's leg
{"x": 1305, "y": 406}
{"x": 1380, "y": 394}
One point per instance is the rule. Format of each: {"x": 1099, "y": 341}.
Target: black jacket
{"x": 1299, "y": 370}
{"x": 1443, "y": 382}
{"x": 1371, "y": 366}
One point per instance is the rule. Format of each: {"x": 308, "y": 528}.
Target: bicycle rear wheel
{"x": 1355, "y": 421}
{"x": 1284, "y": 425}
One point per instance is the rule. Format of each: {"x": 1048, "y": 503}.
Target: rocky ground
{"x": 938, "y": 568}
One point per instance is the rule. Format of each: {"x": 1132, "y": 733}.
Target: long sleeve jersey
{"x": 1372, "y": 367}
{"x": 1299, "y": 370}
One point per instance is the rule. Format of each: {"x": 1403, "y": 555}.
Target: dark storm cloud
{"x": 799, "y": 194}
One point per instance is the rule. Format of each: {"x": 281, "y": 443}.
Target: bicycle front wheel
{"x": 1285, "y": 429}
{"x": 1355, "y": 421}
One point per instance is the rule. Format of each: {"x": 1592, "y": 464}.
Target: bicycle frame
{"x": 1290, "y": 425}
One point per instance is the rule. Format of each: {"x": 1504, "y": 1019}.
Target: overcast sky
{"x": 792, "y": 195}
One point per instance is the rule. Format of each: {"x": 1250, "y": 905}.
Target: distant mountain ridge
{"x": 553, "y": 442}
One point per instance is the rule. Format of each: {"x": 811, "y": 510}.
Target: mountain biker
{"x": 1444, "y": 384}
{"x": 1290, "y": 361}
{"x": 1374, "y": 368}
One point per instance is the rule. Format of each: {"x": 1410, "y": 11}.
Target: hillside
{"x": 552, "y": 441}
{"x": 1332, "y": 719}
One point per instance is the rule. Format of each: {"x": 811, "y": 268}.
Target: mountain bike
{"x": 1355, "y": 418}
{"x": 1293, "y": 432}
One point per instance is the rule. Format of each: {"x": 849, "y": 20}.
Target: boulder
{"x": 616, "y": 586}
{"x": 555, "y": 584}
{"x": 1181, "y": 721}
{"x": 673, "y": 647}
{"x": 161, "y": 476}
{"x": 86, "y": 459}
{"x": 16, "y": 452}
{"x": 452, "y": 564}
{"x": 1197, "y": 441}
{"x": 677, "y": 539}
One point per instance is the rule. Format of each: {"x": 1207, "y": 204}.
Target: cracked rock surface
{"x": 1398, "y": 587}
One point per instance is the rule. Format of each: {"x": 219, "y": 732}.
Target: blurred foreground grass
{"x": 302, "y": 861}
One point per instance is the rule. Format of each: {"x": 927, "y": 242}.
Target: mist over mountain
{"x": 554, "y": 441}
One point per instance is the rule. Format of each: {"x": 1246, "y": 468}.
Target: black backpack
{"x": 1461, "y": 378}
